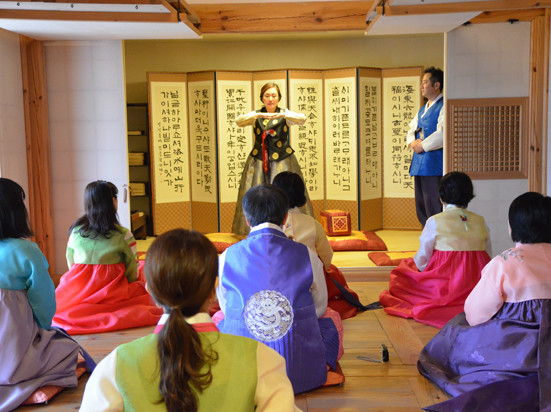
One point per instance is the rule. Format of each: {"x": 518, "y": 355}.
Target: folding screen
{"x": 401, "y": 102}
{"x": 234, "y": 98}
{"x": 306, "y": 96}
{"x": 371, "y": 149}
{"x": 198, "y": 152}
{"x": 341, "y": 172}
{"x": 170, "y": 180}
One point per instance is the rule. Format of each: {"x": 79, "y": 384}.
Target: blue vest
{"x": 428, "y": 163}
{"x": 268, "y": 279}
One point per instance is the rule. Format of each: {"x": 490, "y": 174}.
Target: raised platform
{"x": 356, "y": 266}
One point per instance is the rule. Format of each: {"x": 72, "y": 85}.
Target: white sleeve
{"x": 488, "y": 242}
{"x": 319, "y": 287}
{"x": 102, "y": 393}
{"x": 426, "y": 247}
{"x": 411, "y": 133}
{"x": 247, "y": 119}
{"x": 436, "y": 140}
{"x": 294, "y": 118}
{"x": 221, "y": 291}
{"x": 323, "y": 247}
{"x": 274, "y": 392}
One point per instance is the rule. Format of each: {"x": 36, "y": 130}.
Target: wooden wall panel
{"x": 539, "y": 95}
{"x": 38, "y": 146}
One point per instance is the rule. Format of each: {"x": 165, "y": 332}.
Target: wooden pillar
{"x": 33, "y": 64}
{"x": 539, "y": 94}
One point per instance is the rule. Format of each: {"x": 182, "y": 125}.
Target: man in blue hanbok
{"x": 273, "y": 289}
{"x": 426, "y": 139}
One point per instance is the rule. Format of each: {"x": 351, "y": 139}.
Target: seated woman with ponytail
{"x": 187, "y": 364}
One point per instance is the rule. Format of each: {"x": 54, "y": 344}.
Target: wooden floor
{"x": 374, "y": 387}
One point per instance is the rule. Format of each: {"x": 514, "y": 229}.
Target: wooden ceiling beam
{"x": 507, "y": 15}
{"x": 282, "y": 17}
{"x": 470, "y": 6}
{"x": 185, "y": 8}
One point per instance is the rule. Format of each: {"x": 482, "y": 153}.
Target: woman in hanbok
{"x": 496, "y": 356}
{"x": 300, "y": 227}
{"x": 32, "y": 355}
{"x": 306, "y": 230}
{"x": 101, "y": 291}
{"x": 454, "y": 247}
{"x": 187, "y": 364}
{"x": 271, "y": 153}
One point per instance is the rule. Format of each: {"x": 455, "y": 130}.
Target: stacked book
{"x": 137, "y": 189}
{"x": 135, "y": 159}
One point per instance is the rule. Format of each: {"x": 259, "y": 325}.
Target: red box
{"x": 336, "y": 222}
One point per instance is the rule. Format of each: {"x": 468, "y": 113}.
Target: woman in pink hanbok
{"x": 455, "y": 246}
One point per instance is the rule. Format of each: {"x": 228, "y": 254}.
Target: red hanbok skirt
{"x": 99, "y": 298}
{"x": 437, "y": 294}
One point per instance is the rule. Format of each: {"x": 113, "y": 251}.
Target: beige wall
{"x": 198, "y": 55}
{"x": 13, "y": 143}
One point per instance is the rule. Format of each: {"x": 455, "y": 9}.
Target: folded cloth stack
{"x": 137, "y": 189}
{"x": 135, "y": 159}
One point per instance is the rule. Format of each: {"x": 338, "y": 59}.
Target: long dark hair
{"x": 293, "y": 186}
{"x": 100, "y": 215}
{"x": 181, "y": 269}
{"x": 14, "y": 219}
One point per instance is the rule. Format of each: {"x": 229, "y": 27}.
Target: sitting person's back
{"x": 273, "y": 290}
{"x": 454, "y": 247}
{"x": 187, "y": 364}
{"x": 494, "y": 356}
{"x": 32, "y": 354}
{"x": 101, "y": 291}
{"x": 300, "y": 227}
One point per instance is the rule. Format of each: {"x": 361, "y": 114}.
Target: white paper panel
{"x": 401, "y": 104}
{"x": 169, "y": 142}
{"x": 341, "y": 146}
{"x": 234, "y": 99}
{"x": 306, "y": 96}
{"x": 370, "y": 117}
{"x": 202, "y": 126}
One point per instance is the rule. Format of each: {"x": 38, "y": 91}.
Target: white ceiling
{"x": 419, "y": 24}
{"x": 90, "y": 30}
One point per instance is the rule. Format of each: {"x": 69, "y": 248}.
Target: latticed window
{"x": 487, "y": 138}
